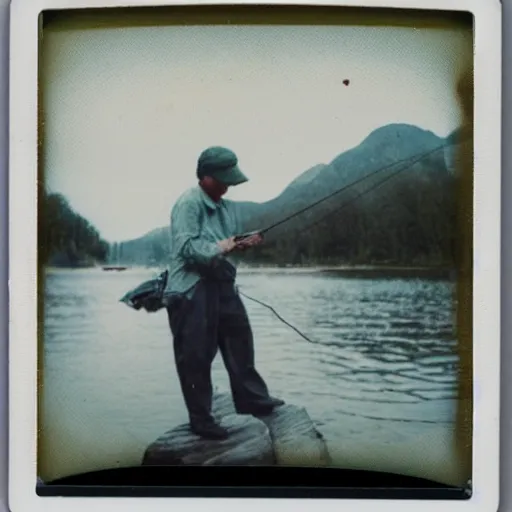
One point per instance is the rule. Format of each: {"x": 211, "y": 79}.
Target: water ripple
{"x": 381, "y": 350}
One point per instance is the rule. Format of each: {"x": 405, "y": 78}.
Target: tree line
{"x": 65, "y": 238}
{"x": 411, "y": 223}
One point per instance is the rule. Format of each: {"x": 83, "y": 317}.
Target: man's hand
{"x": 227, "y": 245}
{"x": 250, "y": 241}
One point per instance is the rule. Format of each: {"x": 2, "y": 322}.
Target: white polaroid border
{"x": 23, "y": 267}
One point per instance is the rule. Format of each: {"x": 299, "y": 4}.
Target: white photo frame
{"x": 23, "y": 263}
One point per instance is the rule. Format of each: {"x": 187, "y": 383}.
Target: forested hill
{"x": 66, "y": 239}
{"x": 410, "y": 219}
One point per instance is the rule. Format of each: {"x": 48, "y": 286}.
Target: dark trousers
{"x": 214, "y": 318}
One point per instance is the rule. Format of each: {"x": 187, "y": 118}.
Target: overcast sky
{"x": 128, "y": 110}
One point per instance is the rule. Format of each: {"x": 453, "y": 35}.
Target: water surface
{"x": 378, "y": 376}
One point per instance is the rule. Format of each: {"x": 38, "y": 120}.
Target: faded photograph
{"x": 255, "y": 241}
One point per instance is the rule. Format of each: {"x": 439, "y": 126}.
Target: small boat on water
{"x": 115, "y": 268}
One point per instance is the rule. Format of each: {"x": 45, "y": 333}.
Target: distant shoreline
{"x": 341, "y": 267}
{"x": 357, "y": 270}
{"x": 339, "y": 270}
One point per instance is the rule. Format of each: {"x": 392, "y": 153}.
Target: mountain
{"x": 362, "y": 223}
{"x": 150, "y": 249}
{"x": 381, "y": 148}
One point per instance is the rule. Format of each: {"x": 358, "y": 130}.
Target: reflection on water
{"x": 380, "y": 370}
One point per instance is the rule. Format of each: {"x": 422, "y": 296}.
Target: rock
{"x": 287, "y": 437}
{"x": 249, "y": 443}
{"x": 295, "y": 439}
{"x": 222, "y": 406}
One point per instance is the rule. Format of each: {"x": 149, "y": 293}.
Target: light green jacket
{"x": 197, "y": 224}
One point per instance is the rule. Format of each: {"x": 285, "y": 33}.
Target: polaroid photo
{"x": 254, "y": 254}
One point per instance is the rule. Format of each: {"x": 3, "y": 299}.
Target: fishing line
{"x": 342, "y": 365}
{"x": 354, "y": 372}
{"x": 279, "y": 316}
{"x": 379, "y": 184}
{"x": 364, "y": 192}
{"x": 412, "y": 159}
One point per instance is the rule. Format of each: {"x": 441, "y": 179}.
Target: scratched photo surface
{"x": 358, "y": 305}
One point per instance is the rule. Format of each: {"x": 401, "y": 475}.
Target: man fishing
{"x": 204, "y": 309}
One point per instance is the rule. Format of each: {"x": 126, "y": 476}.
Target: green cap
{"x": 222, "y": 164}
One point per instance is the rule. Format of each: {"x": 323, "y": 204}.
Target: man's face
{"x": 215, "y": 188}
{"x": 220, "y": 187}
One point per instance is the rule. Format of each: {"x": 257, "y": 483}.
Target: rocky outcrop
{"x": 249, "y": 443}
{"x": 295, "y": 439}
{"x": 287, "y": 437}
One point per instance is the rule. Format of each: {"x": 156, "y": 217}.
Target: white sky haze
{"x": 128, "y": 110}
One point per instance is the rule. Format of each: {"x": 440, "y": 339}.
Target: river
{"x": 378, "y": 378}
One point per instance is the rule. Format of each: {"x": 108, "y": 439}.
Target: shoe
{"x": 275, "y": 402}
{"x": 263, "y": 408}
{"x": 209, "y": 431}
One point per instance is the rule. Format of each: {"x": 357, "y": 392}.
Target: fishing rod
{"x": 414, "y": 159}
{"x": 364, "y": 192}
